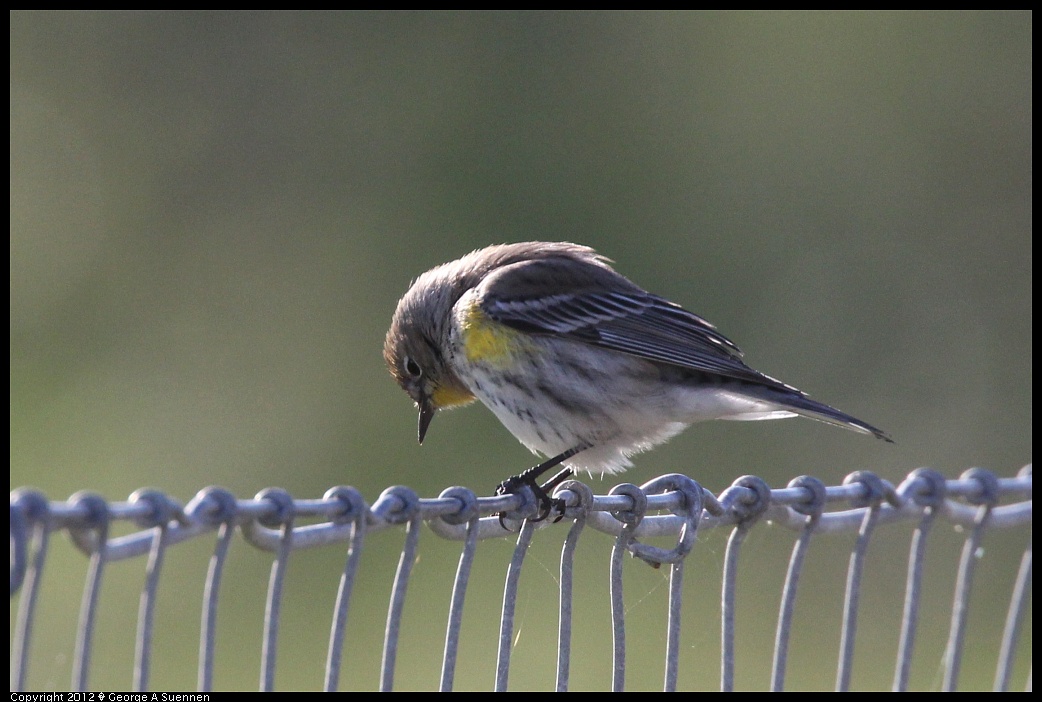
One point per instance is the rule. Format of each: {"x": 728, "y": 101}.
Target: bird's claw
{"x": 547, "y": 505}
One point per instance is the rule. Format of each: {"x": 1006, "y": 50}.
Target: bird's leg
{"x": 511, "y": 485}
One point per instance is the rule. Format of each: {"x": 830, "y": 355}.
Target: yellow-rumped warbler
{"x": 575, "y": 360}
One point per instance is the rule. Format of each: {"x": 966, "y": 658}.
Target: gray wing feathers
{"x": 590, "y": 302}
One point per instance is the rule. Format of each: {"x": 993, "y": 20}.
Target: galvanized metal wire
{"x": 673, "y": 506}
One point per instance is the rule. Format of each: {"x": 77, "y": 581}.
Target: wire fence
{"x": 672, "y": 507}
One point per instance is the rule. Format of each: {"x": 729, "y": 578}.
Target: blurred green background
{"x": 214, "y": 214}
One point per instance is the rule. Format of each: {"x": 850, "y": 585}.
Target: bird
{"x": 579, "y": 363}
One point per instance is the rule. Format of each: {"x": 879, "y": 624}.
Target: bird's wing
{"x": 594, "y": 304}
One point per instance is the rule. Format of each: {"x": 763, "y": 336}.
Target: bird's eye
{"x": 412, "y": 368}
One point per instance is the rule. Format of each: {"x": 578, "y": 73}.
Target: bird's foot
{"x": 547, "y": 504}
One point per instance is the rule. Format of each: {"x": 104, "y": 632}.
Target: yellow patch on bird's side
{"x": 488, "y": 341}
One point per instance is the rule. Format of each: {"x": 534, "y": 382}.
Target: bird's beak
{"x": 427, "y": 411}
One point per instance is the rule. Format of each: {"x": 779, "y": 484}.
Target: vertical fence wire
{"x": 961, "y": 606}
{"x": 506, "y": 622}
{"x": 676, "y": 602}
{"x": 564, "y": 617}
{"x": 964, "y": 580}
{"x": 147, "y": 609}
{"x": 31, "y": 516}
{"x": 618, "y": 618}
{"x": 1014, "y": 618}
{"x": 94, "y": 539}
{"x": 631, "y": 519}
{"x": 727, "y": 607}
{"x": 401, "y": 583}
{"x": 276, "y": 581}
{"x": 788, "y": 606}
{"x": 876, "y": 491}
{"x": 811, "y": 509}
{"x": 851, "y": 600}
{"x": 747, "y": 498}
{"x": 930, "y": 496}
{"x": 211, "y": 592}
{"x": 356, "y": 513}
{"x": 468, "y": 513}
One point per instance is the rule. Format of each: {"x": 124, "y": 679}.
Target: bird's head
{"x": 415, "y": 349}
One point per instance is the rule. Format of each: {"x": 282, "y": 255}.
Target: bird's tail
{"x": 803, "y": 405}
